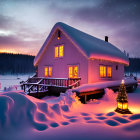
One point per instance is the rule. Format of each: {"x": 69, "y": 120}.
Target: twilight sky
{"x": 25, "y": 24}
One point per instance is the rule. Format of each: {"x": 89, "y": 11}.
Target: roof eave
{"x": 111, "y": 59}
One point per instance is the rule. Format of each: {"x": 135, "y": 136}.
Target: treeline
{"x": 134, "y": 65}
{"x": 16, "y": 64}
{"x": 23, "y": 64}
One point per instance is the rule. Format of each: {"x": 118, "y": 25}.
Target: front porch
{"x": 41, "y": 86}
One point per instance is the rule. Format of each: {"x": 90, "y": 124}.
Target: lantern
{"x": 122, "y": 100}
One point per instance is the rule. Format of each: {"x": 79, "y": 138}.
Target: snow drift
{"x": 25, "y": 117}
{"x": 17, "y": 109}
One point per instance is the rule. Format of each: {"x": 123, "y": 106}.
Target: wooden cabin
{"x": 70, "y": 53}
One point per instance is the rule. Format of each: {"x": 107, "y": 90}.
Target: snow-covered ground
{"x": 9, "y": 82}
{"x": 23, "y": 117}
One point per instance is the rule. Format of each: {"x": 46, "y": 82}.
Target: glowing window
{"x": 46, "y": 71}
{"x": 109, "y": 72}
{"x": 75, "y": 71}
{"x": 56, "y": 52}
{"x": 104, "y": 75}
{"x": 70, "y": 71}
{"x": 61, "y": 51}
{"x": 50, "y": 71}
{"x": 102, "y": 71}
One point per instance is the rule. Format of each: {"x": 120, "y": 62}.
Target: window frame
{"x": 56, "y": 47}
{"x": 45, "y": 69}
{"x": 106, "y": 71}
{"x": 110, "y": 71}
{"x": 73, "y": 73}
{"x": 48, "y": 71}
{"x": 59, "y": 46}
{"x": 104, "y": 66}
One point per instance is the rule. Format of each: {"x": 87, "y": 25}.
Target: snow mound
{"x": 110, "y": 95}
{"x": 19, "y": 110}
{"x": 69, "y": 98}
{"x": 16, "y": 110}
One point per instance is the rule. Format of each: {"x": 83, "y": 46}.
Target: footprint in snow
{"x": 84, "y": 114}
{"x": 121, "y": 120}
{"x": 100, "y": 114}
{"x": 56, "y": 108}
{"x": 110, "y": 114}
{"x": 41, "y": 117}
{"x": 65, "y": 123}
{"x": 65, "y": 108}
{"x": 135, "y": 117}
{"x": 69, "y": 117}
{"x": 73, "y": 120}
{"x": 87, "y": 118}
{"x": 54, "y": 125}
{"x": 101, "y": 118}
{"x": 111, "y": 123}
{"x": 40, "y": 127}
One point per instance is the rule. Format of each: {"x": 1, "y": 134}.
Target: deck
{"x": 37, "y": 86}
{"x": 40, "y": 87}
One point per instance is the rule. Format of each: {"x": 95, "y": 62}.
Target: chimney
{"x": 106, "y": 38}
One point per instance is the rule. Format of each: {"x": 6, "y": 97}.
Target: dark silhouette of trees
{"x": 16, "y": 63}
{"x": 134, "y": 65}
{"x": 22, "y": 64}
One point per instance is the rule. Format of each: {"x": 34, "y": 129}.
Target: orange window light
{"x": 61, "y": 51}
{"x": 109, "y": 72}
{"x": 104, "y": 75}
{"x": 101, "y": 71}
{"x": 50, "y": 71}
{"x": 56, "y": 52}
{"x": 70, "y": 72}
{"x": 46, "y": 71}
{"x": 75, "y": 71}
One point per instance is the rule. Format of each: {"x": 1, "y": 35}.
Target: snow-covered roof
{"x": 90, "y": 46}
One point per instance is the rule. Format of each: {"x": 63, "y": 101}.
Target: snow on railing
{"x": 39, "y": 83}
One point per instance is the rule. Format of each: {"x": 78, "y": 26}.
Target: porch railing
{"x": 40, "y": 84}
